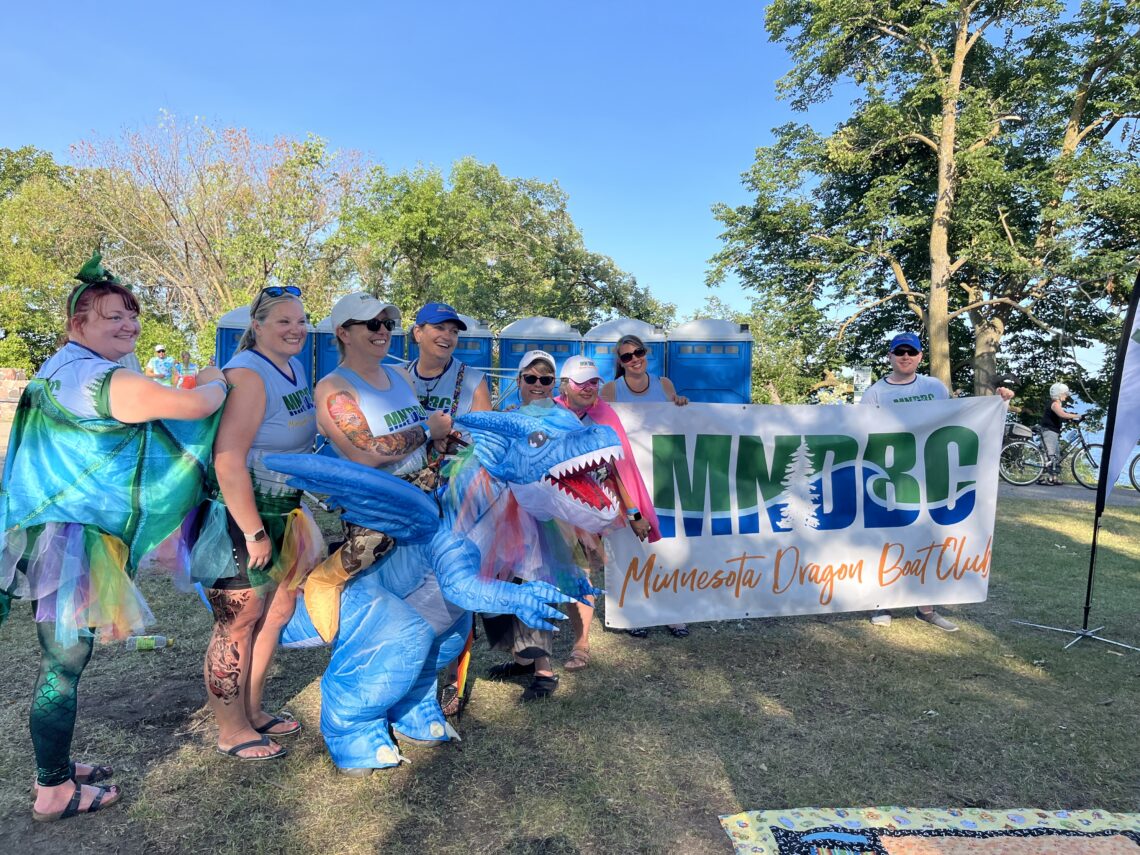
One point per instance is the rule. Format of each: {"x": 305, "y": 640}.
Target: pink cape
{"x": 603, "y": 414}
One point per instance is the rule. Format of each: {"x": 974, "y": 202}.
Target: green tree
{"x": 498, "y": 248}
{"x": 203, "y": 219}
{"x": 983, "y": 186}
{"x": 43, "y": 242}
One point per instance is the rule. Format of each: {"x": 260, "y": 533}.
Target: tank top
{"x": 452, "y": 391}
{"x": 288, "y": 427}
{"x": 77, "y": 376}
{"x": 654, "y": 393}
{"x": 389, "y": 411}
{"x": 1049, "y": 419}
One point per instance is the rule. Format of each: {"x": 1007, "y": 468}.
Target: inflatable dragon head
{"x": 555, "y": 466}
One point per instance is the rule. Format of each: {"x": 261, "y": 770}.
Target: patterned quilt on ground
{"x": 929, "y": 831}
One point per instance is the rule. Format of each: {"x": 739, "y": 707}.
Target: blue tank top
{"x": 289, "y": 425}
{"x": 654, "y": 393}
{"x": 389, "y": 411}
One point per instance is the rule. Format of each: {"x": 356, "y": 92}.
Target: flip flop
{"x": 285, "y": 718}
{"x": 235, "y": 752}
{"x": 73, "y": 808}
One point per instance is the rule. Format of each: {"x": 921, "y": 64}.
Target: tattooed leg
{"x": 227, "y": 667}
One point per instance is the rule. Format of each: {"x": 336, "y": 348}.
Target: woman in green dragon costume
{"x": 94, "y": 480}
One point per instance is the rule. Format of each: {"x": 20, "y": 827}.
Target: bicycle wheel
{"x": 1134, "y": 473}
{"x": 1021, "y": 463}
{"x": 1086, "y": 464}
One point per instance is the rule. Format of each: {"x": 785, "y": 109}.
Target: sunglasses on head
{"x": 373, "y": 324}
{"x": 633, "y": 354}
{"x": 281, "y": 290}
{"x": 534, "y": 378}
{"x": 905, "y": 351}
{"x": 589, "y": 384}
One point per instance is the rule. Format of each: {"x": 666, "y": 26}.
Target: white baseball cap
{"x": 533, "y": 356}
{"x": 159, "y": 347}
{"x": 360, "y": 307}
{"x": 580, "y": 369}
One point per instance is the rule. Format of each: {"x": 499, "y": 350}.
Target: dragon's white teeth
{"x": 589, "y": 460}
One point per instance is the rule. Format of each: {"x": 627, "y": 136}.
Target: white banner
{"x": 1126, "y": 412}
{"x": 792, "y": 510}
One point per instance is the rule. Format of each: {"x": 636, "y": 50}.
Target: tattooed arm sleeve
{"x": 347, "y": 416}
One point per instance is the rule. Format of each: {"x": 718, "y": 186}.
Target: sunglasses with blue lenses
{"x": 373, "y": 324}
{"x": 281, "y": 291}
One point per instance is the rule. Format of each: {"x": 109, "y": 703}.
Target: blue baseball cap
{"x": 908, "y": 339}
{"x": 437, "y": 313}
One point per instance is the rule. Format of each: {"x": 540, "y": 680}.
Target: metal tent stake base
{"x": 1079, "y": 633}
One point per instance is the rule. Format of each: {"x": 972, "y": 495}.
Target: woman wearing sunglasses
{"x": 580, "y": 385}
{"x": 370, "y": 414}
{"x": 102, "y": 466}
{"x": 530, "y": 648}
{"x": 632, "y": 383}
{"x": 256, "y": 541}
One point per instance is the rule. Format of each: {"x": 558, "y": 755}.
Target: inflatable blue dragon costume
{"x": 507, "y": 512}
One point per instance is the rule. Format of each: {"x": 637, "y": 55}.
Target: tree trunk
{"x": 987, "y": 338}
{"x": 941, "y": 266}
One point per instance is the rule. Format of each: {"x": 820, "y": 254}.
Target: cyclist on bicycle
{"x": 1051, "y": 420}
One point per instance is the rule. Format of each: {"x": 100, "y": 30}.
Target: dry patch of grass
{"x": 641, "y": 751}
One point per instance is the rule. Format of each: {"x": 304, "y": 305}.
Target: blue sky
{"x": 645, "y": 113}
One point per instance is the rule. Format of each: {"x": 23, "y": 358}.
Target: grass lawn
{"x": 641, "y": 751}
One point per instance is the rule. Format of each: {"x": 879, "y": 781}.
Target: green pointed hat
{"x": 93, "y": 272}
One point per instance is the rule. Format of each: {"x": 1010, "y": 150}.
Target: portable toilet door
{"x": 328, "y": 357}
{"x": 600, "y": 344}
{"x": 710, "y": 361}
{"x": 230, "y": 328}
{"x": 233, "y": 324}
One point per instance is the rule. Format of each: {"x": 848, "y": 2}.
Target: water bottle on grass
{"x": 148, "y": 642}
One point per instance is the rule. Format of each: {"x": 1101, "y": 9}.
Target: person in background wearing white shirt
{"x": 904, "y": 385}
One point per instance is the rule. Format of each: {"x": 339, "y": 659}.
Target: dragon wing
{"x": 367, "y": 497}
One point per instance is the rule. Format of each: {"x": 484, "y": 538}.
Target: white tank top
{"x": 389, "y": 411}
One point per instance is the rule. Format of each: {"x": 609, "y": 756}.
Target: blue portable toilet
{"x": 475, "y": 348}
{"x": 327, "y": 355}
{"x": 711, "y": 361}
{"x": 556, "y": 337}
{"x": 234, "y": 323}
{"x": 600, "y": 344}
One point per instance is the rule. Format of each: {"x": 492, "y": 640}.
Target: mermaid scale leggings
{"x": 53, "y": 704}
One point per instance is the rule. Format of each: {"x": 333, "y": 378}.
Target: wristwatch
{"x": 256, "y": 537}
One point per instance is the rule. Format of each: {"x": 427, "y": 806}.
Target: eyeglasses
{"x": 632, "y": 355}
{"x": 160, "y": 351}
{"x": 373, "y": 324}
{"x": 905, "y": 351}
{"x": 281, "y": 290}
{"x": 534, "y": 378}
{"x": 589, "y": 384}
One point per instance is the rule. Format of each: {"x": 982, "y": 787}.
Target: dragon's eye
{"x": 537, "y": 439}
